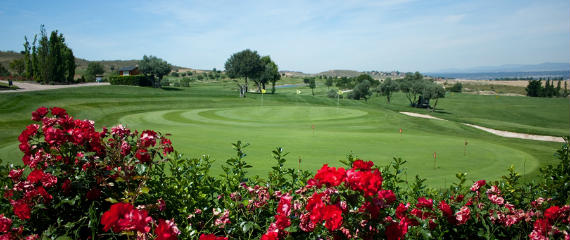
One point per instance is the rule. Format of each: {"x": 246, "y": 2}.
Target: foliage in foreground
{"x": 120, "y": 184}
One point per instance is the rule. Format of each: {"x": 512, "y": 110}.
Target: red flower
{"x": 66, "y": 186}
{"x": 362, "y": 165}
{"x": 270, "y": 236}
{"x": 124, "y": 217}
{"x": 48, "y": 180}
{"x": 330, "y": 176}
{"x": 314, "y": 205}
{"x": 15, "y": 174}
{"x": 284, "y": 207}
{"x": 306, "y": 224}
{"x": 58, "y": 112}
{"x": 35, "y": 176}
{"x": 167, "y": 230}
{"x": 387, "y": 195}
{"x": 552, "y": 213}
{"x": 445, "y": 209}
{"x": 463, "y": 215}
{"x": 401, "y": 210}
{"x": 166, "y": 145}
{"x": 39, "y": 114}
{"x": 424, "y": 203}
{"x": 396, "y": 231}
{"x": 333, "y": 217}
{"x": 161, "y": 204}
{"x": 148, "y": 138}
{"x": 142, "y": 155}
{"x": 5, "y": 223}
{"x": 21, "y": 209}
{"x": 282, "y": 222}
{"x": 368, "y": 182}
{"x": 211, "y": 237}
{"x": 478, "y": 185}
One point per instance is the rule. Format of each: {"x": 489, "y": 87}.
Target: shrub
{"x": 457, "y": 87}
{"x": 176, "y": 84}
{"x": 134, "y": 80}
{"x": 72, "y": 174}
{"x": 165, "y": 83}
{"x": 332, "y": 93}
{"x": 175, "y": 74}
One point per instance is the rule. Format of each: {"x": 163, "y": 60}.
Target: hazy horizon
{"x": 311, "y": 37}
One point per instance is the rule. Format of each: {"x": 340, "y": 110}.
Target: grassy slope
{"x": 545, "y": 116}
{"x": 373, "y": 136}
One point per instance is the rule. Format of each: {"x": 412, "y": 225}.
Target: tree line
{"x": 535, "y": 88}
{"x": 48, "y": 60}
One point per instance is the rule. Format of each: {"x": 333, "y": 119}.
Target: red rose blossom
{"x": 211, "y": 237}
{"x": 167, "y": 230}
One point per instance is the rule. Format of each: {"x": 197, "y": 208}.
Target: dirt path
{"x": 494, "y": 131}
{"x": 29, "y": 87}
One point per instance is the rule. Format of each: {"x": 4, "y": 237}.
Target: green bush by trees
{"x": 419, "y": 90}
{"x": 18, "y": 66}
{"x": 49, "y": 60}
{"x": 3, "y": 71}
{"x": 457, "y": 87}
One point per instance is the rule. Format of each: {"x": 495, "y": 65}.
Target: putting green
{"x": 319, "y": 135}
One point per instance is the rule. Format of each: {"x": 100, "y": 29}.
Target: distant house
{"x": 129, "y": 70}
{"x": 99, "y": 78}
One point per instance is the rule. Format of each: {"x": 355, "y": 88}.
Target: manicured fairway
{"x": 206, "y": 119}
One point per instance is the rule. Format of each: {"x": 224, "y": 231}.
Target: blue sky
{"x": 308, "y": 36}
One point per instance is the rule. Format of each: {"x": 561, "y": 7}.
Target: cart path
{"x": 494, "y": 131}
{"x": 30, "y": 87}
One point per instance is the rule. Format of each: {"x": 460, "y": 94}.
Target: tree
{"x": 558, "y": 88}
{"x": 361, "y": 90}
{"x": 412, "y": 85}
{"x": 50, "y": 60}
{"x": 312, "y": 85}
{"x": 246, "y": 64}
{"x": 433, "y": 91}
{"x": 387, "y": 87}
{"x": 18, "y": 66}
{"x": 94, "y": 69}
{"x": 270, "y": 73}
{"x": 153, "y": 66}
{"x": 534, "y": 88}
{"x": 329, "y": 82}
{"x": 306, "y": 81}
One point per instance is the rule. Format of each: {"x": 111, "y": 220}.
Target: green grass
{"x": 206, "y": 118}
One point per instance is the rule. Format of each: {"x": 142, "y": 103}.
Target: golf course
{"x": 206, "y": 118}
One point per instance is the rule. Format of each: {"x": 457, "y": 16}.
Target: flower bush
{"x": 80, "y": 183}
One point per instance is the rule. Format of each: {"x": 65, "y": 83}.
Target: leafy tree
{"x": 94, "y": 69}
{"x": 50, "y": 61}
{"x": 18, "y": 66}
{"x": 387, "y": 87}
{"x": 412, "y": 85}
{"x": 433, "y": 91}
{"x": 329, "y": 82}
{"x": 270, "y": 73}
{"x": 151, "y": 65}
{"x": 363, "y": 77}
{"x": 246, "y": 64}
{"x": 312, "y": 85}
{"x": 565, "y": 89}
{"x": 361, "y": 91}
{"x": 306, "y": 81}
{"x": 558, "y": 88}
{"x": 534, "y": 88}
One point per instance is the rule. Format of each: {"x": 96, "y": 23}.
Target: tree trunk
{"x": 273, "y": 87}
{"x": 313, "y": 91}
{"x": 435, "y": 105}
{"x": 246, "y": 85}
{"x": 388, "y": 97}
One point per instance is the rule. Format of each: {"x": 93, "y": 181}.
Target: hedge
{"x": 135, "y": 80}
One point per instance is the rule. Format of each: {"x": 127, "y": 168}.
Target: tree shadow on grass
{"x": 171, "y": 89}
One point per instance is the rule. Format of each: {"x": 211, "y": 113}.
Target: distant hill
{"x": 511, "y": 68}
{"x": 340, "y": 73}
{"x": 7, "y": 56}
